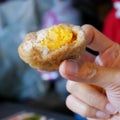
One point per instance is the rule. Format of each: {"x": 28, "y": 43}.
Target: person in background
{"x": 18, "y": 81}
{"x": 94, "y": 81}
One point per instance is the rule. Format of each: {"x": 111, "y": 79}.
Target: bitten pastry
{"x": 47, "y": 48}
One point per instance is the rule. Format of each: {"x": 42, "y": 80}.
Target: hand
{"x": 95, "y": 85}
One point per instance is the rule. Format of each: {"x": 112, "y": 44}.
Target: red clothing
{"x": 111, "y": 27}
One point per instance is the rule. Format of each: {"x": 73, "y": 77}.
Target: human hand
{"x": 95, "y": 85}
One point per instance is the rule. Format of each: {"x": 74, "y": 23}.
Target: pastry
{"x": 47, "y": 48}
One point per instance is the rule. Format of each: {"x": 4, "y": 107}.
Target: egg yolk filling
{"x": 57, "y": 37}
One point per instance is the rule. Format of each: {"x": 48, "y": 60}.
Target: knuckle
{"x": 82, "y": 109}
{"x": 88, "y": 71}
{"x": 86, "y": 111}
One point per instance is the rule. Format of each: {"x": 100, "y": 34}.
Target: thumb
{"x": 90, "y": 73}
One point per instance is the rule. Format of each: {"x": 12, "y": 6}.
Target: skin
{"x": 94, "y": 82}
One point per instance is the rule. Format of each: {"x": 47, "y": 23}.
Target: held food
{"x": 47, "y": 48}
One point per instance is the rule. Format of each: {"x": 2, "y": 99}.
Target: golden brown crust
{"x": 41, "y": 58}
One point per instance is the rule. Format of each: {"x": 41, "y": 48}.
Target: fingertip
{"x": 62, "y": 68}
{"x": 68, "y": 100}
{"x": 94, "y": 37}
{"x": 111, "y": 109}
{"x": 69, "y": 68}
{"x": 87, "y": 26}
{"x": 71, "y": 103}
{"x": 89, "y": 32}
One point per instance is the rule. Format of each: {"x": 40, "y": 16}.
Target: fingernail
{"x": 98, "y": 61}
{"x": 72, "y": 67}
{"x": 101, "y": 114}
{"x": 110, "y": 109}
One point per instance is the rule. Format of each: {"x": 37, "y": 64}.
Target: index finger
{"x": 95, "y": 39}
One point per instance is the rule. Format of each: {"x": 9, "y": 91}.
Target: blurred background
{"x": 19, "y": 83}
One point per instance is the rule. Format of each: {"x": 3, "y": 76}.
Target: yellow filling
{"x": 57, "y": 37}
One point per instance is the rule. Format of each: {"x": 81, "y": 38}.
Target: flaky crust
{"x": 41, "y": 58}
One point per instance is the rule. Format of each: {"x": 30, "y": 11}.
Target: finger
{"x": 107, "y": 78}
{"x": 114, "y": 56}
{"x": 87, "y": 57}
{"x": 89, "y": 73}
{"x": 91, "y": 95}
{"x": 83, "y": 109}
{"x": 106, "y": 47}
{"x": 95, "y": 39}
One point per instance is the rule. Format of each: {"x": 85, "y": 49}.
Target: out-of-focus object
{"x": 2, "y": 1}
{"x": 17, "y": 80}
{"x": 62, "y": 11}
{"x": 111, "y": 27}
{"x": 10, "y": 111}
